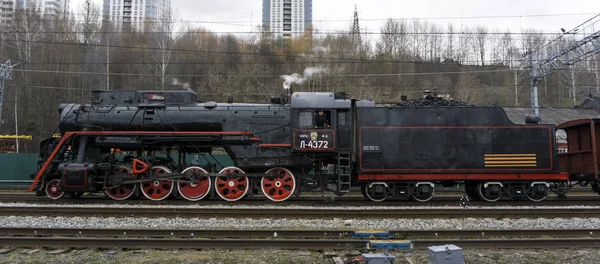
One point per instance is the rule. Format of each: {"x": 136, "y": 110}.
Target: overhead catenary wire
{"x": 188, "y": 21}
{"x": 269, "y": 75}
{"x": 314, "y": 32}
{"x": 508, "y": 87}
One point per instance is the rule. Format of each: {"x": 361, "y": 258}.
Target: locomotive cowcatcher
{"x": 133, "y": 143}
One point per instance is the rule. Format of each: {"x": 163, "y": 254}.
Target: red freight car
{"x": 581, "y": 158}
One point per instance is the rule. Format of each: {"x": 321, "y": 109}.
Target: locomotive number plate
{"x": 314, "y": 140}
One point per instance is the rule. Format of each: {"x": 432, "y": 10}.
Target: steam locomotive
{"x": 132, "y": 143}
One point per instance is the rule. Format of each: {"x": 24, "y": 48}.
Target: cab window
{"x": 305, "y": 119}
{"x": 322, "y": 118}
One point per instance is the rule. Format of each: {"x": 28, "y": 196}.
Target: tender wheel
{"x": 471, "y": 190}
{"x": 537, "y": 193}
{"x": 158, "y": 190}
{"x": 279, "y": 185}
{"x": 196, "y": 190}
{"x": 375, "y": 192}
{"x": 423, "y": 192}
{"x": 491, "y": 193}
{"x": 53, "y": 190}
{"x": 232, "y": 189}
{"x": 124, "y": 191}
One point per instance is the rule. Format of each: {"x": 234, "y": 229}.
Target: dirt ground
{"x": 287, "y": 256}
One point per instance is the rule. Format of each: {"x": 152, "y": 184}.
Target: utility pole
{"x": 5, "y": 74}
{"x": 562, "y": 57}
{"x": 596, "y": 69}
{"x": 356, "y": 38}
{"x": 534, "y": 81}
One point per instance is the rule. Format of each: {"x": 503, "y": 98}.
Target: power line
{"x": 314, "y": 32}
{"x": 268, "y": 75}
{"x": 187, "y": 21}
{"x": 225, "y": 93}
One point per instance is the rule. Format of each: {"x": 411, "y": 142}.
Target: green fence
{"x": 16, "y": 168}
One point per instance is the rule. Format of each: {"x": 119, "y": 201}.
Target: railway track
{"x": 298, "y": 234}
{"x": 299, "y": 212}
{"x": 294, "y": 239}
{"x": 590, "y": 199}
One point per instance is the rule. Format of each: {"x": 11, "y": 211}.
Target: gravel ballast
{"x": 285, "y": 223}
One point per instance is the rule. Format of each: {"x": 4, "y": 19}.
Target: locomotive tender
{"x": 318, "y": 140}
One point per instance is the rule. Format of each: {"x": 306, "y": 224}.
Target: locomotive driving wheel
{"x": 123, "y": 191}
{"x": 232, "y": 189}
{"x": 53, "y": 190}
{"x": 278, "y": 185}
{"x": 489, "y": 191}
{"x": 158, "y": 190}
{"x": 198, "y": 188}
{"x": 376, "y": 192}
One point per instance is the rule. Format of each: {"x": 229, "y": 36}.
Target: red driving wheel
{"x": 278, "y": 185}
{"x": 158, "y": 190}
{"x": 197, "y": 189}
{"x": 232, "y": 189}
{"x": 123, "y": 191}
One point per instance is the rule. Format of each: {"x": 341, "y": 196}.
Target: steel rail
{"x": 173, "y": 233}
{"x": 144, "y": 243}
{"x": 513, "y": 243}
{"x": 283, "y": 212}
{"x": 320, "y": 234}
{"x": 591, "y": 199}
{"x": 483, "y": 233}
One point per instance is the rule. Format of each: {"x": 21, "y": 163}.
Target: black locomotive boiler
{"x": 129, "y": 143}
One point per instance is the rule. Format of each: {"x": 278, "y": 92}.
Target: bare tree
{"x": 481, "y": 43}
{"x": 449, "y": 51}
{"x": 389, "y": 44}
{"x": 163, "y": 35}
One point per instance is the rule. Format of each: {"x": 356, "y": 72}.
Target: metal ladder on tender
{"x": 344, "y": 171}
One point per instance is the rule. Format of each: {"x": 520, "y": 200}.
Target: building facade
{"x": 287, "y": 18}
{"x": 134, "y": 14}
{"x": 47, "y": 9}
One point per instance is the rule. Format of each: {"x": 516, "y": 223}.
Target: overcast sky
{"x": 246, "y": 14}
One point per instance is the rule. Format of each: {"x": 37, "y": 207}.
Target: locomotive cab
{"x": 320, "y": 118}
{"x": 321, "y": 128}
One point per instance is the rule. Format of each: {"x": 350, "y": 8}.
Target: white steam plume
{"x": 184, "y": 85}
{"x": 299, "y": 79}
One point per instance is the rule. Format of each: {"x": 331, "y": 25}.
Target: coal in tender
{"x": 432, "y": 102}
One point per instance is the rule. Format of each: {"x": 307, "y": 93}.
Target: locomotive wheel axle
{"x": 279, "y": 185}
{"x": 124, "y": 190}
{"x": 194, "y": 188}
{"x": 158, "y": 190}
{"x": 232, "y": 189}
